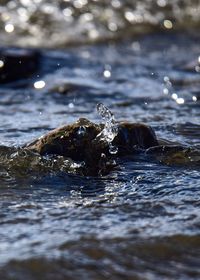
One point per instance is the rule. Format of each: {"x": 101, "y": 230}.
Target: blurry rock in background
{"x": 17, "y": 63}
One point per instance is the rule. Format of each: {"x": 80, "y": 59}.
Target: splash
{"x": 110, "y": 130}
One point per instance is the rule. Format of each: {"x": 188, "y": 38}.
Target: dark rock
{"x": 18, "y": 63}
{"x": 134, "y": 134}
{"x": 79, "y": 142}
{"x": 71, "y": 140}
{"x": 176, "y": 155}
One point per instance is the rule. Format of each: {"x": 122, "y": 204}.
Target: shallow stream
{"x": 142, "y": 221}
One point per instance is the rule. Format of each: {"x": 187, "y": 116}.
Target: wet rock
{"x": 176, "y": 155}
{"x": 81, "y": 142}
{"x": 134, "y": 135}
{"x": 71, "y": 140}
{"x": 17, "y": 63}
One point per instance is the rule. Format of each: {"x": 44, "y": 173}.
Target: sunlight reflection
{"x": 39, "y": 84}
{"x": 168, "y": 24}
{"x": 1, "y": 63}
{"x": 9, "y": 27}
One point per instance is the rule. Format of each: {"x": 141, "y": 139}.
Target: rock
{"x": 134, "y": 134}
{"x": 176, "y": 155}
{"x": 17, "y": 63}
{"x": 71, "y": 140}
{"x": 81, "y": 148}
{"x": 80, "y": 142}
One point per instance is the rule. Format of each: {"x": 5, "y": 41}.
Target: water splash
{"x": 81, "y": 131}
{"x": 110, "y": 130}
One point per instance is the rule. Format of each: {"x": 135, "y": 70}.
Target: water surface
{"x": 142, "y": 220}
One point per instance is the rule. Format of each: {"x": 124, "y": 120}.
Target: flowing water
{"x": 142, "y": 220}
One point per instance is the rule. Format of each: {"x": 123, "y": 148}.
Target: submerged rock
{"x": 176, "y": 155}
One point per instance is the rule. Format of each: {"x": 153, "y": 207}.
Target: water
{"x": 110, "y": 129}
{"x": 52, "y": 23}
{"x": 142, "y": 220}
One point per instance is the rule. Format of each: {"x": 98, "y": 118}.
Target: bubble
{"x": 194, "y": 98}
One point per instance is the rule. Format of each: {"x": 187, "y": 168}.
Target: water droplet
{"x": 180, "y": 100}
{"x": 174, "y": 96}
{"x": 103, "y": 155}
{"x": 166, "y": 79}
{"x": 71, "y": 105}
{"x": 165, "y": 91}
{"x": 194, "y": 98}
{"x": 113, "y": 149}
{"x": 39, "y": 84}
{"x": 81, "y": 131}
{"x": 110, "y": 128}
{"x": 107, "y": 74}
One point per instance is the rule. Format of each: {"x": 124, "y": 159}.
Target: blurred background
{"x": 51, "y": 23}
